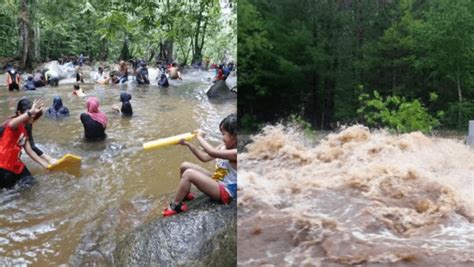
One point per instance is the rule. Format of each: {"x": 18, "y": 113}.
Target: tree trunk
{"x": 104, "y": 51}
{"x": 458, "y": 83}
{"x": 184, "y": 53}
{"x": 152, "y": 55}
{"x": 37, "y": 48}
{"x": 329, "y": 87}
{"x": 166, "y": 51}
{"x": 125, "y": 53}
{"x": 198, "y": 51}
{"x": 197, "y": 55}
{"x": 314, "y": 99}
{"x": 26, "y": 37}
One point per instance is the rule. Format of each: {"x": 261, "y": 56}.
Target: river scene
{"x": 65, "y": 217}
{"x": 164, "y": 54}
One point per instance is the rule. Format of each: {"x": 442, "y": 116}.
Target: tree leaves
{"x": 85, "y": 26}
{"x": 309, "y": 56}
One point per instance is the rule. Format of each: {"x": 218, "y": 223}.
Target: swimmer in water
{"x": 94, "y": 121}
{"x": 78, "y": 91}
{"x": 126, "y": 109}
{"x": 58, "y": 110}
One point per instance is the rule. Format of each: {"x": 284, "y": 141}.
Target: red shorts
{"x": 225, "y": 197}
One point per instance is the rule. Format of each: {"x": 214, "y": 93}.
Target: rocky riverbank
{"x": 206, "y": 235}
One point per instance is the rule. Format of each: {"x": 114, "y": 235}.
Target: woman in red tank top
{"x": 13, "y": 138}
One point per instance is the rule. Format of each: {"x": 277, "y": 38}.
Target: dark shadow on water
{"x": 217, "y": 101}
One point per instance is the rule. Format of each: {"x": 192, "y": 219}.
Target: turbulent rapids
{"x": 358, "y": 197}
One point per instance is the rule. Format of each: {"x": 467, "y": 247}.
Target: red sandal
{"x": 175, "y": 209}
{"x": 189, "y": 197}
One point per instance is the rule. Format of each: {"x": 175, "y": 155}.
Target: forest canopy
{"x": 321, "y": 59}
{"x": 185, "y": 31}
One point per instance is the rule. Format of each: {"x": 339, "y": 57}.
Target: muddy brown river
{"x": 77, "y": 218}
{"x": 358, "y": 197}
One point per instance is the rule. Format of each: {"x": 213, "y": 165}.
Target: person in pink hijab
{"x": 94, "y": 121}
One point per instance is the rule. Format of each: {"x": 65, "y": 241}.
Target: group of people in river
{"x": 16, "y": 135}
{"x": 51, "y": 77}
{"x": 223, "y": 71}
{"x": 139, "y": 72}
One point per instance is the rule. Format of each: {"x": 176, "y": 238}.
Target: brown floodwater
{"x": 77, "y": 218}
{"x": 358, "y": 197}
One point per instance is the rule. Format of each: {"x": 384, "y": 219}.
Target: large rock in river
{"x": 220, "y": 90}
{"x": 203, "y": 236}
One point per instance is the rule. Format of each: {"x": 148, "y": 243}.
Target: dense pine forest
{"x": 407, "y": 65}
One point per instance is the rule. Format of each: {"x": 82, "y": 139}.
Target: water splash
{"x": 357, "y": 197}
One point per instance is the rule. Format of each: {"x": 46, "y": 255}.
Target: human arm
{"x": 35, "y": 108}
{"x": 199, "y": 153}
{"x": 229, "y": 154}
{"x": 35, "y": 156}
{"x": 29, "y": 131}
{"x": 65, "y": 111}
{"x": 48, "y": 158}
{"x": 116, "y": 108}
{"x": 9, "y": 78}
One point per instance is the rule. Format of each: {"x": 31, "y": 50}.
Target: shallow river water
{"x": 77, "y": 218}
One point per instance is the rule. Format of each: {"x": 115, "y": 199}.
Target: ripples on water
{"x": 359, "y": 197}
{"x": 76, "y": 218}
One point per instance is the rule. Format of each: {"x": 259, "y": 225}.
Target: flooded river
{"x": 357, "y": 198}
{"x": 77, "y": 218}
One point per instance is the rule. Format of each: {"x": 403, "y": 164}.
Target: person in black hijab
{"x": 29, "y": 84}
{"x": 57, "y": 110}
{"x": 126, "y": 108}
{"x": 163, "y": 82}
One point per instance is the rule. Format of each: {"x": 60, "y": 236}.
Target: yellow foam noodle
{"x": 66, "y": 162}
{"x": 173, "y": 140}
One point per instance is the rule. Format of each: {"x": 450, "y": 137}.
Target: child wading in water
{"x": 222, "y": 185}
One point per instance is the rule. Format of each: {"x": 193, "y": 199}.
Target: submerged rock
{"x": 220, "y": 90}
{"x": 205, "y": 235}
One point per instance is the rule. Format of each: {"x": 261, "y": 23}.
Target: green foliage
{"x": 458, "y": 115}
{"x": 300, "y": 122}
{"x": 8, "y": 27}
{"x": 308, "y": 57}
{"x": 396, "y": 113}
{"x": 226, "y": 40}
{"x": 248, "y": 123}
{"x": 106, "y": 29}
{"x": 253, "y": 46}
{"x": 444, "y": 39}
